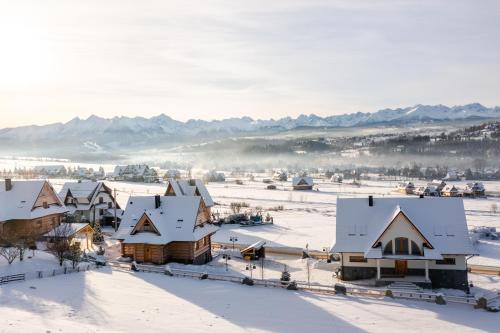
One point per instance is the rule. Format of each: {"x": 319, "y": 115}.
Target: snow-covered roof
{"x": 79, "y": 189}
{"x": 441, "y": 221}
{"x": 189, "y": 187}
{"x": 175, "y": 220}
{"x": 307, "y": 180}
{"x": 66, "y": 229}
{"x": 18, "y": 202}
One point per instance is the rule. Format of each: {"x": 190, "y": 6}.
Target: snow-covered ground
{"x": 308, "y": 217}
{"x": 117, "y": 301}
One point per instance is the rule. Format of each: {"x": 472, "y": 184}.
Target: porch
{"x": 401, "y": 273}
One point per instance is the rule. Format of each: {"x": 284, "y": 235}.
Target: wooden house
{"x": 450, "y": 191}
{"x": 90, "y": 201}
{"x": 254, "y": 251}
{"x": 406, "y": 187}
{"x": 419, "y": 240}
{"x": 76, "y": 233}
{"x": 302, "y": 183}
{"x": 190, "y": 187}
{"x": 136, "y": 173}
{"x": 475, "y": 189}
{"x": 162, "y": 229}
{"x": 428, "y": 191}
{"x": 28, "y": 207}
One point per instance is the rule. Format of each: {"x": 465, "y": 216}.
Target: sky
{"x": 264, "y": 59}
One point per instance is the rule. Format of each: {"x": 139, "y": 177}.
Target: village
{"x": 326, "y": 233}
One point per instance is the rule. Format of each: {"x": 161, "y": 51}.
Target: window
{"x": 401, "y": 245}
{"x": 357, "y": 259}
{"x": 205, "y": 241}
{"x": 146, "y": 226}
{"x": 110, "y": 205}
{"x": 415, "y": 250}
{"x": 45, "y": 205}
{"x": 101, "y": 211}
{"x": 446, "y": 261}
{"x": 388, "y": 248}
{"x": 101, "y": 200}
{"x": 196, "y": 245}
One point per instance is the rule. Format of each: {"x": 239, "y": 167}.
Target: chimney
{"x": 370, "y": 200}
{"x": 8, "y": 184}
{"x": 421, "y": 196}
{"x": 157, "y": 201}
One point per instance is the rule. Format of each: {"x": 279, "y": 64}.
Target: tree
{"x": 10, "y": 253}
{"x": 74, "y": 255}
{"x": 24, "y": 241}
{"x": 9, "y": 250}
{"x": 60, "y": 240}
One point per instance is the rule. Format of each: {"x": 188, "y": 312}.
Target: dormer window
{"x": 45, "y": 205}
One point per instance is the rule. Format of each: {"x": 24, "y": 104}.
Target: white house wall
{"x": 401, "y": 227}
{"x": 417, "y": 264}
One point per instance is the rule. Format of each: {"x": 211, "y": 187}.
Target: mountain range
{"x": 95, "y": 133}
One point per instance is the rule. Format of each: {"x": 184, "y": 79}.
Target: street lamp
{"x": 233, "y": 239}
{"x": 250, "y": 267}
{"x": 226, "y": 257}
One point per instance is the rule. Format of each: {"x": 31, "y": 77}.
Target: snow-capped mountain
{"x": 139, "y": 131}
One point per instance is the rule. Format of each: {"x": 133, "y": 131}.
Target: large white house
{"x": 90, "y": 201}
{"x": 423, "y": 240}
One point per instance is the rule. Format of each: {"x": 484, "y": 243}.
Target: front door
{"x": 147, "y": 253}
{"x": 401, "y": 267}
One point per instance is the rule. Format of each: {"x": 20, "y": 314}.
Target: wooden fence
{"x": 45, "y": 273}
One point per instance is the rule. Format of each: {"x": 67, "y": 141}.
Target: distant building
{"x": 29, "y": 207}
{"x": 302, "y": 183}
{"x": 428, "y": 191}
{"x": 281, "y": 176}
{"x": 214, "y": 176}
{"x": 136, "y": 173}
{"x": 50, "y": 170}
{"x": 450, "y": 191}
{"x": 475, "y": 189}
{"x": 440, "y": 184}
{"x": 406, "y": 187}
{"x": 90, "y": 201}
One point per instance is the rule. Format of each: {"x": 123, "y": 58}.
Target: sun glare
{"x": 25, "y": 55}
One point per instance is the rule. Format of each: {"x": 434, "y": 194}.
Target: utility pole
{"x": 114, "y": 203}
{"x": 262, "y": 267}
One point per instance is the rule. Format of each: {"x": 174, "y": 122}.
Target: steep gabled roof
{"x": 19, "y": 202}
{"x": 192, "y": 187}
{"x": 440, "y": 220}
{"x": 307, "y": 180}
{"x": 175, "y": 220}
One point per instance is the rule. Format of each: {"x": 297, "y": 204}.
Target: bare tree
{"x": 23, "y": 241}
{"x": 8, "y": 250}
{"x": 10, "y": 253}
{"x": 59, "y": 241}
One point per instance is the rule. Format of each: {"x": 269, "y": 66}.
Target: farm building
{"x": 29, "y": 207}
{"x": 450, "y": 191}
{"x": 50, "y": 170}
{"x": 191, "y": 187}
{"x": 136, "y": 173}
{"x": 406, "y": 187}
{"x": 428, "y": 191}
{"x": 474, "y": 190}
{"x": 90, "y": 201}
{"x": 424, "y": 241}
{"x": 162, "y": 229}
{"x": 76, "y": 233}
{"x": 302, "y": 183}
{"x": 254, "y": 251}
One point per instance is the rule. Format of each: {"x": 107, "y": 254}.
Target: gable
{"x": 145, "y": 225}
{"x": 401, "y": 226}
{"x": 47, "y": 195}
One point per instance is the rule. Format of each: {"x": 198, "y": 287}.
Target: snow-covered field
{"x": 118, "y": 301}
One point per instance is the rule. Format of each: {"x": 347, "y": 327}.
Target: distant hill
{"x": 98, "y": 135}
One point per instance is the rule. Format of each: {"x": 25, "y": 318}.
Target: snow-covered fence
{"x": 45, "y": 273}
{"x": 11, "y": 278}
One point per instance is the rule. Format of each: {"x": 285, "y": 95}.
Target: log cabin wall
{"x": 38, "y": 226}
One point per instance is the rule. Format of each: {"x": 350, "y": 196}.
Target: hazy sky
{"x": 217, "y": 59}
